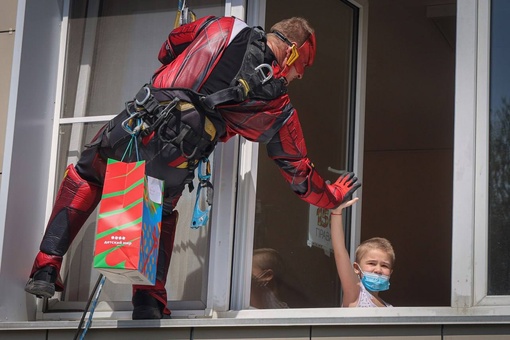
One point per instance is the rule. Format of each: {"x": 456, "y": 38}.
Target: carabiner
{"x": 131, "y": 128}
{"x": 265, "y": 77}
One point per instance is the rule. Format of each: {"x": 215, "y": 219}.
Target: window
{"x": 300, "y": 248}
{"x": 111, "y": 52}
{"x": 405, "y": 141}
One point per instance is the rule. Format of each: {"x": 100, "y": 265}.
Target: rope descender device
{"x": 204, "y": 198}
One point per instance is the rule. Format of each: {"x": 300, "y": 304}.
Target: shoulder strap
{"x": 255, "y": 78}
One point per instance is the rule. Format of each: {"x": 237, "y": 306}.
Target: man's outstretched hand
{"x": 344, "y": 187}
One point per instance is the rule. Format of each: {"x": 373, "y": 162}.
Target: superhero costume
{"x": 218, "y": 79}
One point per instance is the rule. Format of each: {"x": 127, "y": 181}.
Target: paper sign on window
{"x": 319, "y": 229}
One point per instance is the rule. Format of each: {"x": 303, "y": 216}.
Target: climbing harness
{"x": 175, "y": 116}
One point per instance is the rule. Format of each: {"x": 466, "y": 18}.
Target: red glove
{"x": 344, "y": 187}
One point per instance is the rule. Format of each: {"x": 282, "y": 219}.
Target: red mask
{"x": 299, "y": 57}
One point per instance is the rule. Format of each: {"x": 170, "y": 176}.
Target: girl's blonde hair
{"x": 268, "y": 258}
{"x": 375, "y": 243}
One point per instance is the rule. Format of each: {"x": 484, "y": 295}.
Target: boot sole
{"x": 41, "y": 289}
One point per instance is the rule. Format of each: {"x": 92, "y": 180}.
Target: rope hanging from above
{"x": 184, "y": 14}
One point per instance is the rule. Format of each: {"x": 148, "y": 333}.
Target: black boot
{"x": 42, "y": 283}
{"x": 145, "y": 306}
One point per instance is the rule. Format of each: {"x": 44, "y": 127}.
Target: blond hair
{"x": 268, "y": 258}
{"x": 375, "y": 243}
{"x": 295, "y": 29}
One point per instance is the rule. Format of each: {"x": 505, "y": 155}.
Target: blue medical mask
{"x": 375, "y": 282}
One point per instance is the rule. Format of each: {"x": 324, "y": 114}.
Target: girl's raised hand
{"x": 345, "y": 205}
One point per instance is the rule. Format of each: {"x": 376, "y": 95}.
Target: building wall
{"x": 298, "y": 332}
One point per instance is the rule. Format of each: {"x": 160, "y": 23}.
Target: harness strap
{"x": 236, "y": 93}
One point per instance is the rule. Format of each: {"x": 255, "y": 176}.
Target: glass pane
{"x": 112, "y": 52}
{"x": 499, "y": 157}
{"x": 113, "y": 48}
{"x": 408, "y": 144}
{"x": 305, "y": 273}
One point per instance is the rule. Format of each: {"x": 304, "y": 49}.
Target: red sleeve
{"x": 288, "y": 150}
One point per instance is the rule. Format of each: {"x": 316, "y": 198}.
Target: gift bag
{"x": 129, "y": 224}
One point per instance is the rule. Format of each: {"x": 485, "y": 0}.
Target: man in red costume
{"x": 219, "y": 78}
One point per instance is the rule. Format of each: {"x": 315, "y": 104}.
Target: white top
{"x": 365, "y": 299}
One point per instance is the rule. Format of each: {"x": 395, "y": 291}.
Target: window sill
{"x": 279, "y": 317}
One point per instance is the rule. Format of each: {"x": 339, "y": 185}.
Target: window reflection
{"x": 267, "y": 275}
{"x": 499, "y": 156}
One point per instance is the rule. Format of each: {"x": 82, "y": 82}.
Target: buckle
{"x": 265, "y": 77}
{"x": 145, "y": 99}
{"x": 184, "y": 153}
{"x": 170, "y": 106}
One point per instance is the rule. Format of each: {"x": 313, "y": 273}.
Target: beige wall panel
{"x": 8, "y": 14}
{"x": 153, "y": 333}
{"x": 252, "y": 333}
{"x": 476, "y": 332}
{"x": 24, "y": 335}
{"x": 478, "y": 337}
{"x": 376, "y": 332}
{"x": 6, "y": 49}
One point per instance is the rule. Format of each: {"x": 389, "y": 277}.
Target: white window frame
{"x": 481, "y": 211}
{"x": 464, "y": 156}
{"x": 471, "y": 160}
{"x": 481, "y": 251}
{"x": 225, "y": 178}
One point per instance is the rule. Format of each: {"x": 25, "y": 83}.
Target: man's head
{"x": 297, "y": 38}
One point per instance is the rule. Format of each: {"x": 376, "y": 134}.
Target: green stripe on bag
{"x": 115, "y": 229}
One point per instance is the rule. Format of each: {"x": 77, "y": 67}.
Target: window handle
{"x": 340, "y": 172}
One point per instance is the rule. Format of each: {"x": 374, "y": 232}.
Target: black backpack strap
{"x": 254, "y": 79}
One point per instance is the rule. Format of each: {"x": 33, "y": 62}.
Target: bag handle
{"x": 134, "y": 138}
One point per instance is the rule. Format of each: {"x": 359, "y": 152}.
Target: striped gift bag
{"x": 129, "y": 224}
